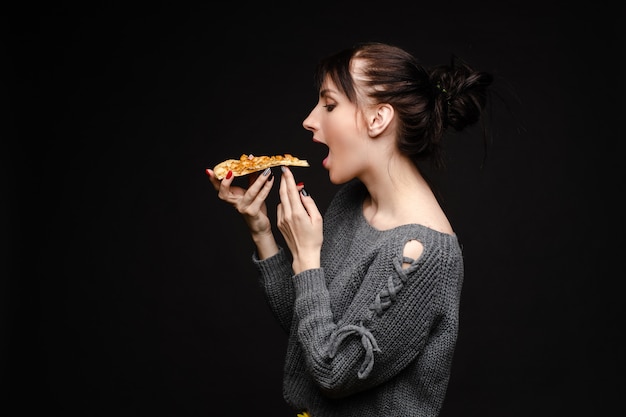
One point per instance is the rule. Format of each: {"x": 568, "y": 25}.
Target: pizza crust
{"x": 247, "y": 164}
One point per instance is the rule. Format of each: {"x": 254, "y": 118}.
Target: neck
{"x": 396, "y": 189}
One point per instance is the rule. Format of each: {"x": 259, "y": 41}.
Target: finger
{"x": 214, "y": 181}
{"x": 258, "y": 192}
{"x": 224, "y": 189}
{"x": 260, "y": 180}
{"x": 254, "y": 197}
{"x": 309, "y": 205}
{"x": 283, "y": 193}
{"x": 291, "y": 189}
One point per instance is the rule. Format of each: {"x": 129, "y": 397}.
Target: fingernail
{"x": 208, "y": 172}
{"x": 282, "y": 168}
{"x": 304, "y": 192}
{"x": 267, "y": 172}
{"x": 230, "y": 174}
{"x": 300, "y": 184}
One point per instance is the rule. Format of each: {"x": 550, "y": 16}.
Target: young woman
{"x": 369, "y": 292}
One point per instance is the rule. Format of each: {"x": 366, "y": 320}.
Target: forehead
{"x": 328, "y": 84}
{"x": 357, "y": 73}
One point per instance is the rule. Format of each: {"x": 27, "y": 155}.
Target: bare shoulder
{"x": 437, "y": 220}
{"x": 431, "y": 214}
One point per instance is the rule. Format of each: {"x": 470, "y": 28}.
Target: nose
{"x": 309, "y": 122}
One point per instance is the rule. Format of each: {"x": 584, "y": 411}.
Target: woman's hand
{"x": 250, "y": 203}
{"x": 300, "y": 222}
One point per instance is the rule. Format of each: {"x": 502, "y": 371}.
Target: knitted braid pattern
{"x": 368, "y": 338}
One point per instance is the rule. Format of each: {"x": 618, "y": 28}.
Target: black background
{"x": 130, "y": 290}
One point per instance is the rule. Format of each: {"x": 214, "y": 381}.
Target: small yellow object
{"x": 303, "y": 414}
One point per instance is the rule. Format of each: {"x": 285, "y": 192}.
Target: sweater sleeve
{"x": 397, "y": 317}
{"x": 275, "y": 278}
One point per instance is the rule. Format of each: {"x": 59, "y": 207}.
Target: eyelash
{"x": 329, "y": 107}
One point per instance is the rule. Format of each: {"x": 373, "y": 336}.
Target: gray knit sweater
{"x": 366, "y": 337}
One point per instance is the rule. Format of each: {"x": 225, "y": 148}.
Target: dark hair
{"x": 427, "y": 101}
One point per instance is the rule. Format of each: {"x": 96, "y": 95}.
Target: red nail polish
{"x": 230, "y": 174}
{"x": 208, "y": 172}
{"x": 300, "y": 184}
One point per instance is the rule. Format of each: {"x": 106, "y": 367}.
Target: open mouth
{"x": 325, "y": 152}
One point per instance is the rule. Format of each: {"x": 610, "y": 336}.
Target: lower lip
{"x": 325, "y": 162}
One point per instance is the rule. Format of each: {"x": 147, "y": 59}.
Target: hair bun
{"x": 462, "y": 93}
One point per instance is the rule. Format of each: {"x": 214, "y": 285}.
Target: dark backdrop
{"x": 128, "y": 288}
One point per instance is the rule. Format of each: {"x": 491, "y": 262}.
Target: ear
{"x": 380, "y": 119}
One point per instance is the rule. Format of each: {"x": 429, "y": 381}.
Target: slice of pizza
{"x": 247, "y": 164}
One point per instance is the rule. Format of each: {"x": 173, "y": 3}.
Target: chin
{"x": 338, "y": 180}
{"x": 332, "y": 178}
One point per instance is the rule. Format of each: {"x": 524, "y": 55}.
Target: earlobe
{"x": 381, "y": 118}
